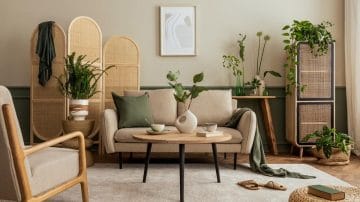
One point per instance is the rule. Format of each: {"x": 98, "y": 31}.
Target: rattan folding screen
{"x": 85, "y": 38}
{"x": 47, "y": 104}
{"x": 313, "y": 108}
{"x": 124, "y": 54}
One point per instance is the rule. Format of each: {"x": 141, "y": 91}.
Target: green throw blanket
{"x": 257, "y": 157}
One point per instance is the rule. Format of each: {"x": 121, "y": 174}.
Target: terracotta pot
{"x": 186, "y": 122}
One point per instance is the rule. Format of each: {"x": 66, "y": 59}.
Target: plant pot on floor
{"x": 337, "y": 157}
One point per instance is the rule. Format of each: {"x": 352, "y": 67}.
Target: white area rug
{"x": 108, "y": 183}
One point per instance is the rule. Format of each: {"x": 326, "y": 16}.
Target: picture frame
{"x": 178, "y": 31}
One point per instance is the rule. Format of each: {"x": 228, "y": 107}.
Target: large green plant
{"x": 181, "y": 94}
{"x": 329, "y": 138}
{"x": 80, "y": 78}
{"x": 317, "y": 36}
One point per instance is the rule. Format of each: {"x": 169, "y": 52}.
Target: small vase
{"x": 261, "y": 88}
{"x": 79, "y": 109}
{"x": 239, "y": 87}
{"x": 186, "y": 122}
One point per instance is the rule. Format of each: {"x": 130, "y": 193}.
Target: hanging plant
{"x": 316, "y": 36}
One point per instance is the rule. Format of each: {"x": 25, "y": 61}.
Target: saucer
{"x": 152, "y": 132}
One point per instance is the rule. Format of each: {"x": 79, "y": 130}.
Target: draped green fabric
{"x": 45, "y": 49}
{"x": 257, "y": 157}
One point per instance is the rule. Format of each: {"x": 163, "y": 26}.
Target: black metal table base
{"x": 182, "y": 165}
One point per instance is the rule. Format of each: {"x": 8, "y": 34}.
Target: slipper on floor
{"x": 274, "y": 185}
{"x": 249, "y": 184}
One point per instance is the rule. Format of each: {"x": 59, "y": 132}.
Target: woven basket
{"x": 337, "y": 157}
{"x": 86, "y": 126}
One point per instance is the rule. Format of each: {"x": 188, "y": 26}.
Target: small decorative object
{"x": 157, "y": 127}
{"x": 233, "y": 63}
{"x": 317, "y": 36}
{"x": 186, "y": 122}
{"x": 210, "y": 127}
{"x": 177, "y": 31}
{"x": 332, "y": 147}
{"x": 253, "y": 86}
{"x": 79, "y": 83}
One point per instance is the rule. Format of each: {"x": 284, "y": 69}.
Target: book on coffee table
{"x": 209, "y": 134}
{"x": 326, "y": 192}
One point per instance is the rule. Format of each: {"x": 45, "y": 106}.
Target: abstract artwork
{"x": 177, "y": 31}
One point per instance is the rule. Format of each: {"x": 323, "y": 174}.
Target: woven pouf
{"x": 301, "y": 195}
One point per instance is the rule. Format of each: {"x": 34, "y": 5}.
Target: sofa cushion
{"x": 133, "y": 111}
{"x": 211, "y": 106}
{"x": 162, "y": 104}
{"x": 126, "y": 134}
{"x": 51, "y": 167}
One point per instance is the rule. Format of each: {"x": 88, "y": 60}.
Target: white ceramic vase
{"x": 261, "y": 88}
{"x": 186, "y": 122}
{"x": 79, "y": 109}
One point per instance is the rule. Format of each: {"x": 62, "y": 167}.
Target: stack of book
{"x": 326, "y": 192}
{"x": 209, "y": 134}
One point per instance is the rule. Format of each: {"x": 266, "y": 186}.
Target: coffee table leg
{"x": 216, "y": 161}
{"x": 148, "y": 152}
{"x": 182, "y": 162}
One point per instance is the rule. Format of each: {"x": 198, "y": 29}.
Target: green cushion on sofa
{"x": 133, "y": 111}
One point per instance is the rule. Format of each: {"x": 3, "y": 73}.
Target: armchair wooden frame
{"x": 19, "y": 155}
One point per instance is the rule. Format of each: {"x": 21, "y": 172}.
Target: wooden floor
{"x": 349, "y": 173}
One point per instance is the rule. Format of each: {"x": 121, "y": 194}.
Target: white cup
{"x": 210, "y": 127}
{"x": 157, "y": 127}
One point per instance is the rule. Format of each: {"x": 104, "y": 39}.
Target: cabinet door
{"x": 312, "y": 117}
{"x": 316, "y": 73}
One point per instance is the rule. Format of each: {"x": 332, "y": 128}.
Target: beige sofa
{"x": 211, "y": 106}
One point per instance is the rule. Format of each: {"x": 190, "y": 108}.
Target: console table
{"x": 269, "y": 127}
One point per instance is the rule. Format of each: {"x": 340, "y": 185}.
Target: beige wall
{"x": 218, "y": 23}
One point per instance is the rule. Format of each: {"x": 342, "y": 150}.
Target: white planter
{"x": 261, "y": 88}
{"x": 186, "y": 122}
{"x": 79, "y": 109}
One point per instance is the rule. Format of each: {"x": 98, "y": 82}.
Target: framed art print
{"x": 177, "y": 31}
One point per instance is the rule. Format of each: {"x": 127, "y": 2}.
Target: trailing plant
{"x": 80, "y": 79}
{"x": 316, "y": 36}
{"x": 329, "y": 138}
{"x": 181, "y": 94}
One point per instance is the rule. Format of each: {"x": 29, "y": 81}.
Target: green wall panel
{"x": 21, "y": 96}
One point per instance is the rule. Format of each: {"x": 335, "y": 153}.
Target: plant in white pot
{"x": 187, "y": 121}
{"x": 79, "y": 83}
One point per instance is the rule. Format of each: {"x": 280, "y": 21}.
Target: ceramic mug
{"x": 210, "y": 127}
{"x": 157, "y": 127}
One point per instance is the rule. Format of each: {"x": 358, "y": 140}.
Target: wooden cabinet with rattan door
{"x": 309, "y": 110}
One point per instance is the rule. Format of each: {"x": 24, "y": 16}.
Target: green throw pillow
{"x": 133, "y": 111}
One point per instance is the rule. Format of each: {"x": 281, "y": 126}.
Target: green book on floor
{"x": 326, "y": 192}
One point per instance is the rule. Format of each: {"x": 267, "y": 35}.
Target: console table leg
{"x": 270, "y": 131}
{"x": 147, "y": 160}
{"x": 182, "y": 162}
{"x": 216, "y": 161}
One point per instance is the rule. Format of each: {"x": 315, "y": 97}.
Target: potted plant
{"x": 318, "y": 37}
{"x": 79, "y": 83}
{"x": 187, "y": 121}
{"x": 233, "y": 63}
{"x": 332, "y": 147}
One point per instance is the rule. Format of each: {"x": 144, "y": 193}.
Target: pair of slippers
{"x": 253, "y": 185}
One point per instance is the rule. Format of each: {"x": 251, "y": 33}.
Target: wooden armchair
{"x": 39, "y": 172}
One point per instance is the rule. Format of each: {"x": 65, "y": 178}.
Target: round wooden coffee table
{"x": 181, "y": 139}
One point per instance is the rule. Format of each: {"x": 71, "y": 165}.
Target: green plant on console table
{"x": 254, "y": 84}
{"x": 316, "y": 36}
{"x": 79, "y": 80}
{"x": 329, "y": 138}
{"x": 181, "y": 94}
